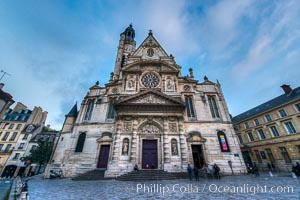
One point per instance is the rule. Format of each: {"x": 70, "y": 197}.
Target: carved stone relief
{"x": 170, "y": 85}
{"x": 150, "y": 129}
{"x": 131, "y": 83}
{"x": 150, "y": 68}
{"x": 150, "y": 98}
{"x": 173, "y": 127}
{"x": 127, "y": 126}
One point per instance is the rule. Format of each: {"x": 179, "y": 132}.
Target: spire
{"x": 129, "y": 33}
{"x": 73, "y": 112}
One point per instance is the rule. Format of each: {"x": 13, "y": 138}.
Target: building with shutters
{"x": 16, "y": 128}
{"x": 269, "y": 133}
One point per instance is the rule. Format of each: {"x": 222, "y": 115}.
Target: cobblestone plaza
{"x": 229, "y": 187}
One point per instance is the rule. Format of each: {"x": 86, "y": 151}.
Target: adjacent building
{"x": 148, "y": 114}
{"x": 16, "y": 129}
{"x": 46, "y": 135}
{"x": 269, "y": 133}
{"x": 6, "y": 100}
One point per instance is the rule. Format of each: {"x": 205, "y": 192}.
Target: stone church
{"x": 148, "y": 114}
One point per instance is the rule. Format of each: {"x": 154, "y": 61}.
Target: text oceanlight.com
{"x": 212, "y": 188}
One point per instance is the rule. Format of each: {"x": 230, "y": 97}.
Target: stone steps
{"x": 143, "y": 175}
{"x": 96, "y": 174}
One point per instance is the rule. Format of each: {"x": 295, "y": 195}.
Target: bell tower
{"x": 126, "y": 46}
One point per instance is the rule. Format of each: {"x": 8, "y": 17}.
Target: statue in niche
{"x": 174, "y": 147}
{"x": 131, "y": 83}
{"x": 170, "y": 85}
{"x": 125, "y": 146}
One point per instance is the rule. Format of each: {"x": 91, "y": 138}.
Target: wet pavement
{"x": 4, "y": 186}
{"x": 229, "y": 187}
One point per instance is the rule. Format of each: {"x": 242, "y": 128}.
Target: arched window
{"x": 111, "y": 110}
{"x": 125, "y": 146}
{"x": 80, "y": 142}
{"x": 89, "y": 110}
{"x": 213, "y": 107}
{"x": 189, "y": 106}
{"x": 223, "y": 142}
{"x": 174, "y": 148}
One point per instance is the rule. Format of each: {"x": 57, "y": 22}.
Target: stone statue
{"x": 131, "y": 83}
{"x": 125, "y": 147}
{"x": 170, "y": 85}
{"x": 174, "y": 147}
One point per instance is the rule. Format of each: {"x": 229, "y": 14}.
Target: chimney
{"x": 1, "y": 85}
{"x": 286, "y": 88}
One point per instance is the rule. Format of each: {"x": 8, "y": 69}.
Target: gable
{"x": 149, "y": 98}
{"x": 158, "y": 66}
{"x": 150, "y": 49}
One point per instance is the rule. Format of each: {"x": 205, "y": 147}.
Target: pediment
{"x": 150, "y": 49}
{"x": 158, "y": 66}
{"x": 151, "y": 97}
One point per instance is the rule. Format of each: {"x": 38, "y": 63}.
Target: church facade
{"x": 150, "y": 115}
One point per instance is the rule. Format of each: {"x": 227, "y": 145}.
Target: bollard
{"x": 23, "y": 196}
{"x": 271, "y": 175}
{"x": 294, "y": 175}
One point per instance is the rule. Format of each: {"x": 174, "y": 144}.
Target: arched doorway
{"x": 150, "y": 143}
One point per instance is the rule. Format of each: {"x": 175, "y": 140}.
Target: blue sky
{"x": 55, "y": 50}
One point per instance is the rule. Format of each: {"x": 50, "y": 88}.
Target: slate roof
{"x": 277, "y": 101}
{"x": 6, "y": 96}
{"x": 73, "y": 112}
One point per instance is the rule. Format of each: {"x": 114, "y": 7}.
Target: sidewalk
{"x": 4, "y": 187}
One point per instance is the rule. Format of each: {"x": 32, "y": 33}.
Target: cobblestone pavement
{"x": 4, "y": 186}
{"x": 229, "y": 187}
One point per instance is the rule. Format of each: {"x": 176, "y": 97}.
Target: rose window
{"x": 150, "y": 80}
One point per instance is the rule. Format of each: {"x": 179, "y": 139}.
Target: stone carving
{"x": 114, "y": 91}
{"x": 150, "y": 52}
{"x": 127, "y": 126}
{"x": 170, "y": 85}
{"x": 150, "y": 68}
{"x": 125, "y": 146}
{"x": 150, "y": 98}
{"x": 174, "y": 148}
{"x": 150, "y": 129}
{"x": 131, "y": 84}
{"x": 172, "y": 127}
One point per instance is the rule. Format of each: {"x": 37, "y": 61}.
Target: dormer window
{"x": 29, "y": 128}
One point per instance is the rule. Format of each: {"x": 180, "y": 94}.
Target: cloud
{"x": 275, "y": 37}
{"x": 56, "y": 50}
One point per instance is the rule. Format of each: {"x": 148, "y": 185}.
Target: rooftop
{"x": 277, "y": 101}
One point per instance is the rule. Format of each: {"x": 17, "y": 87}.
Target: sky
{"x": 54, "y": 50}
